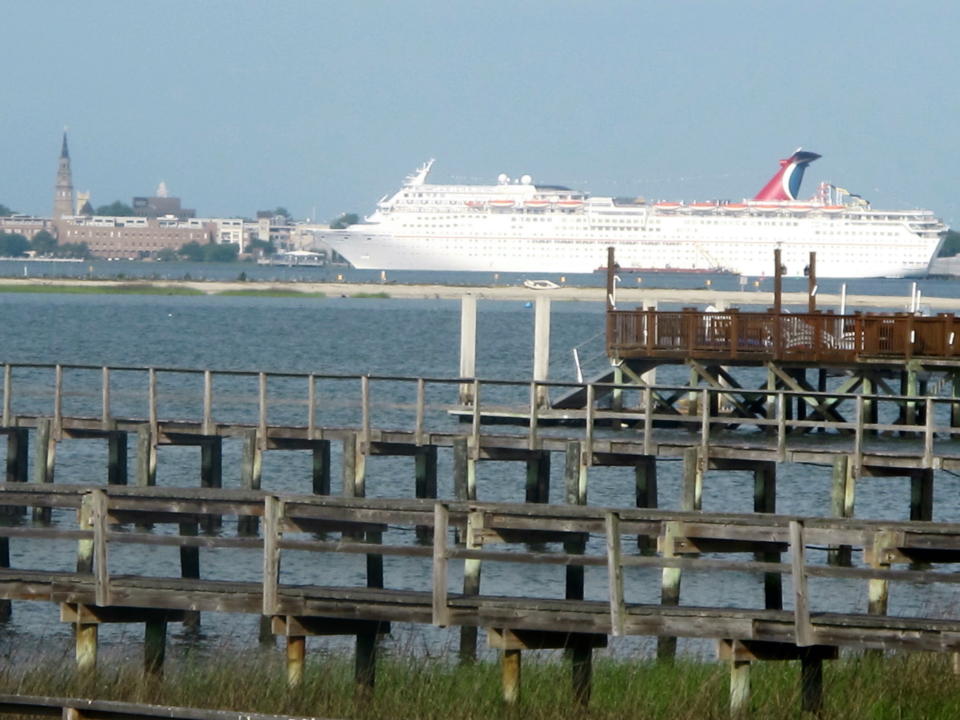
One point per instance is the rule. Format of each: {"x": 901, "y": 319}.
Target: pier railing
{"x": 809, "y": 337}
{"x": 171, "y": 403}
{"x": 420, "y": 584}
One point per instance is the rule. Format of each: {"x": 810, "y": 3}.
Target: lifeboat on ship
{"x": 475, "y": 203}
{"x": 667, "y": 205}
{"x": 833, "y": 208}
{"x": 733, "y": 207}
{"x": 702, "y": 206}
{"x": 569, "y": 204}
{"x": 501, "y": 203}
{"x": 536, "y": 204}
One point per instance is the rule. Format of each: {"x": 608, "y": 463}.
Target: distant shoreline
{"x": 454, "y": 292}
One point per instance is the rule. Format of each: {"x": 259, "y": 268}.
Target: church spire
{"x": 63, "y": 193}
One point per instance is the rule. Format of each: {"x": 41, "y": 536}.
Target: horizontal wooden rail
{"x": 85, "y": 709}
{"x": 687, "y": 541}
{"x": 418, "y": 412}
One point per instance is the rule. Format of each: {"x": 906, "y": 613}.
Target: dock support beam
{"x": 646, "y": 479}
{"x": 841, "y": 503}
{"x": 541, "y": 349}
{"x": 425, "y": 480}
{"x": 211, "y": 476}
{"x": 18, "y": 445}
{"x": 765, "y": 501}
{"x": 46, "y": 452}
{"x": 321, "y": 467}
{"x": 538, "y": 478}
{"x": 117, "y": 458}
{"x": 465, "y": 488}
{"x": 921, "y": 494}
{"x": 154, "y": 647}
{"x": 146, "y": 457}
{"x": 86, "y": 635}
{"x": 296, "y": 659}
{"x": 251, "y": 476}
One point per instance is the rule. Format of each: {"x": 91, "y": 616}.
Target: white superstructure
{"x": 519, "y": 226}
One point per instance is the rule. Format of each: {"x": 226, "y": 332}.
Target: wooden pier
{"x": 567, "y": 537}
{"x": 348, "y": 419}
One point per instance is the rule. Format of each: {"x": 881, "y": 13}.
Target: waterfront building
{"x": 133, "y": 237}
{"x": 26, "y": 225}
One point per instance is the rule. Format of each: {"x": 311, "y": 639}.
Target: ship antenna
{"x": 420, "y": 176}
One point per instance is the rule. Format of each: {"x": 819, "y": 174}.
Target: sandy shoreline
{"x": 633, "y": 296}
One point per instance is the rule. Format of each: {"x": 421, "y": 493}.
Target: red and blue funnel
{"x": 786, "y": 184}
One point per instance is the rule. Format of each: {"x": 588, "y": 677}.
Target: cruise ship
{"x": 525, "y": 227}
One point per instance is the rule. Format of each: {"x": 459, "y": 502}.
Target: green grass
{"x": 382, "y": 295}
{"x": 123, "y": 289}
{"x": 271, "y": 292}
{"x": 900, "y": 687}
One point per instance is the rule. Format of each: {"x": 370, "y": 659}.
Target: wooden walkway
{"x": 456, "y": 540}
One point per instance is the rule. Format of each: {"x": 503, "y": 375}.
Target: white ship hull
{"x": 524, "y": 228}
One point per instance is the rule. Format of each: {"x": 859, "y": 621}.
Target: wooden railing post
{"x": 441, "y": 613}
{"x": 801, "y": 612}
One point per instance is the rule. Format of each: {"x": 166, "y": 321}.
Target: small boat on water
{"x": 540, "y": 284}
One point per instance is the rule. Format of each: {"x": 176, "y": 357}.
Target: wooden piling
{"x": 581, "y": 666}
{"x": 211, "y": 476}
{"x": 575, "y": 493}
{"x": 365, "y": 669}
{"x": 669, "y": 588}
{"x": 6, "y": 608}
{"x": 46, "y": 451}
{"x": 811, "y": 683}
{"x": 251, "y": 474}
{"x": 921, "y": 494}
{"x": 471, "y": 585}
{"x": 692, "y": 489}
{"x": 354, "y": 463}
{"x": 154, "y": 647}
{"x": 538, "y": 478}
{"x": 646, "y": 496}
{"x": 425, "y": 482}
{"x": 464, "y": 470}
{"x": 541, "y": 349}
{"x": 146, "y": 457}
{"x": 321, "y": 467}
{"x": 117, "y": 458}
{"x": 510, "y": 676}
{"x": 190, "y": 570}
{"x": 765, "y": 501}
{"x": 18, "y": 446}
{"x": 841, "y": 503}
{"x": 465, "y": 488}
{"x": 86, "y": 635}
{"x": 739, "y": 687}
{"x": 296, "y": 660}
{"x": 468, "y": 346}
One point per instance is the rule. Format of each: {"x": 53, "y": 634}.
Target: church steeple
{"x": 63, "y": 193}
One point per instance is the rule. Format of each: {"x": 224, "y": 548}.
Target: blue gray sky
{"x": 323, "y": 107}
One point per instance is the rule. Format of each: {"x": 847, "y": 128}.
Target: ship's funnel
{"x": 785, "y": 185}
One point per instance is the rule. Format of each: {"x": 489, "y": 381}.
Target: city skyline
{"x": 323, "y": 108}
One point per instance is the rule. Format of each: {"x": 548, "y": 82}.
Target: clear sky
{"x": 323, "y": 107}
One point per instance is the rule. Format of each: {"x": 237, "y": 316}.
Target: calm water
{"x": 389, "y": 337}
